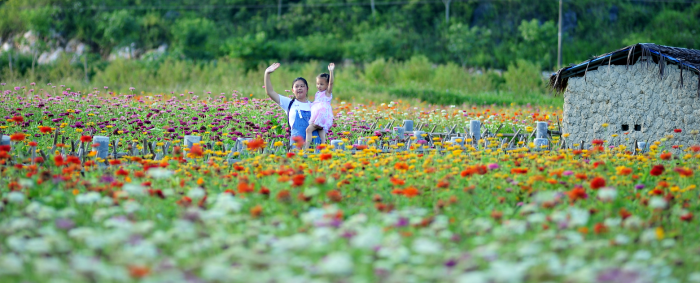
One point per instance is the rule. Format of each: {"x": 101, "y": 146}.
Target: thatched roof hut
{"x": 643, "y": 91}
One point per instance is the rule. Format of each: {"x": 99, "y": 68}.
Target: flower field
{"x": 434, "y": 212}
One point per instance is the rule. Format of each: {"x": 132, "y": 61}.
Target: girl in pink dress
{"x": 321, "y": 111}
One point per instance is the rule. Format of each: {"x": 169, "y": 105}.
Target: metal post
{"x": 279, "y": 9}
{"x": 87, "y": 80}
{"x": 559, "y": 35}
{"x": 374, "y": 12}
{"x": 9, "y": 56}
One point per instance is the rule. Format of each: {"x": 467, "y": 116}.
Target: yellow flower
{"x": 78, "y": 130}
{"x": 278, "y": 143}
{"x": 566, "y": 135}
{"x": 605, "y": 125}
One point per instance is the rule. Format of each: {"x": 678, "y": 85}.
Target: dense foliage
{"x": 479, "y": 33}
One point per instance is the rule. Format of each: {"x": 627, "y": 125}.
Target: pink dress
{"x": 321, "y": 111}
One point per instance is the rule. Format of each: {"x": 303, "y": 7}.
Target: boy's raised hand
{"x": 331, "y": 67}
{"x": 272, "y": 68}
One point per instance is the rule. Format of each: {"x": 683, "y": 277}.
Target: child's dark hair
{"x": 325, "y": 76}
{"x": 300, "y": 79}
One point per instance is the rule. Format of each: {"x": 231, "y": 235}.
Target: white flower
{"x": 657, "y": 202}
{"x": 367, "y": 238}
{"x": 633, "y": 222}
{"x": 134, "y": 189}
{"x": 47, "y": 265}
{"x": 11, "y": 264}
{"x": 607, "y": 194}
{"x": 26, "y": 183}
{"x": 159, "y": 173}
{"x": 227, "y": 203}
{"x": 425, "y": 246}
{"x": 621, "y": 239}
{"x": 579, "y": 217}
{"x": 473, "y": 277}
{"x": 338, "y": 263}
{"x": 612, "y": 222}
{"x": 88, "y": 198}
{"x": 196, "y": 193}
{"x": 37, "y": 246}
{"x": 15, "y": 197}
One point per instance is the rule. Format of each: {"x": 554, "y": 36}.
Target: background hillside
{"x": 246, "y": 34}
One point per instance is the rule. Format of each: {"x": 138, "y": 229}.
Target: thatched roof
{"x": 688, "y": 59}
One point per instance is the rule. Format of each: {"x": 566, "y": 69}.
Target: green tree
{"x": 115, "y": 29}
{"x": 538, "y": 42}
{"x": 195, "y": 38}
{"x": 468, "y": 45}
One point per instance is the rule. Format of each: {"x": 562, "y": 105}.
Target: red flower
{"x": 684, "y": 172}
{"x": 39, "y": 159}
{"x": 32, "y": 143}
{"x": 45, "y": 129}
{"x": 256, "y": 144}
{"x": 86, "y": 139}
{"x": 624, "y": 213}
{"x": 5, "y": 148}
{"x": 687, "y": 217}
{"x": 115, "y": 162}
{"x": 666, "y": 156}
{"x": 121, "y": 172}
{"x": 58, "y": 159}
{"x": 657, "y": 170}
{"x": 695, "y": 148}
{"x": 677, "y": 130}
{"x": 73, "y": 159}
{"x": 597, "y": 183}
{"x": 598, "y": 142}
{"x": 577, "y": 193}
{"x": 326, "y": 156}
{"x": 397, "y": 182}
{"x": 290, "y": 154}
{"x": 298, "y": 180}
{"x": 17, "y": 137}
{"x": 298, "y": 141}
{"x": 18, "y": 119}
{"x": 196, "y": 150}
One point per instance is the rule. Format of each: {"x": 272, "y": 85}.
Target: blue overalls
{"x": 300, "y": 124}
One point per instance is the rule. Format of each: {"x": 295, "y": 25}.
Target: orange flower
{"x": 581, "y": 176}
{"x": 115, "y": 162}
{"x": 599, "y": 228}
{"x": 298, "y": 141}
{"x": 401, "y": 166}
{"x": 334, "y": 196}
{"x": 256, "y": 211}
{"x": 666, "y": 156}
{"x": 411, "y": 192}
{"x": 138, "y": 271}
{"x": 624, "y": 213}
{"x": 283, "y": 195}
{"x": 256, "y": 144}
{"x": 326, "y": 156}
{"x": 624, "y": 171}
{"x": 577, "y": 194}
{"x": 17, "y": 137}
{"x": 245, "y": 188}
{"x": 518, "y": 171}
{"x": 196, "y": 150}
{"x": 397, "y": 182}
{"x": 597, "y": 183}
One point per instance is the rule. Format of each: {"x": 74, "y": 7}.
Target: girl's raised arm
{"x": 329, "y": 91}
{"x": 268, "y": 85}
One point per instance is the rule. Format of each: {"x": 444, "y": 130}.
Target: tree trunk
{"x": 447, "y": 10}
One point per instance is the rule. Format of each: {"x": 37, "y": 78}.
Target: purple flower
{"x": 639, "y": 186}
{"x": 493, "y": 166}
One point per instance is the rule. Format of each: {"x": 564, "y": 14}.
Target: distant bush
{"x": 524, "y": 77}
